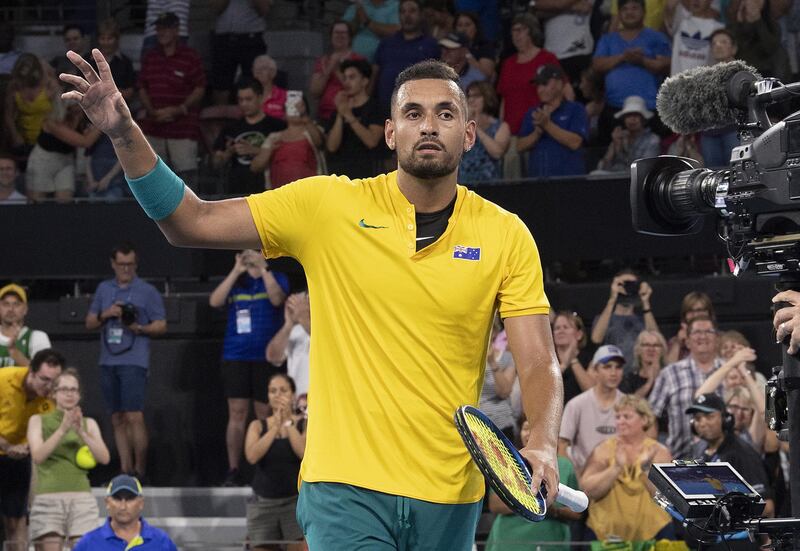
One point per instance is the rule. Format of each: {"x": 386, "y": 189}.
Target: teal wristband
{"x": 159, "y": 192}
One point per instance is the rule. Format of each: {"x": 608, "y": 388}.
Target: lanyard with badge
{"x": 115, "y": 332}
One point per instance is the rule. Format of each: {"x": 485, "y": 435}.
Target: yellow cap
{"x": 13, "y": 288}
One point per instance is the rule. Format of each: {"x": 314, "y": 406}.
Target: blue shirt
{"x": 627, "y": 79}
{"x": 394, "y": 54}
{"x": 249, "y": 300}
{"x": 476, "y": 164}
{"x": 550, "y": 158}
{"x": 119, "y": 345}
{"x": 104, "y": 539}
{"x": 365, "y": 42}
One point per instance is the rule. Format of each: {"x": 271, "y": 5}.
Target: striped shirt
{"x": 157, "y": 7}
{"x": 497, "y": 409}
{"x": 168, "y": 81}
{"x": 674, "y": 391}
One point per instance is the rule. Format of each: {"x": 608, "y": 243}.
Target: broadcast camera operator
{"x": 714, "y": 425}
{"x": 128, "y": 311}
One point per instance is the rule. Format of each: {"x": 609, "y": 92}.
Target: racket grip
{"x": 574, "y": 499}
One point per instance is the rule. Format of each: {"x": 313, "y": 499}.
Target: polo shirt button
{"x": 408, "y": 210}
{"x": 411, "y": 226}
{"x": 410, "y": 245}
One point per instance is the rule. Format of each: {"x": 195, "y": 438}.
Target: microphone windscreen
{"x": 697, "y": 99}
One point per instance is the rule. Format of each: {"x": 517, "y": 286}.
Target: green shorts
{"x": 340, "y": 517}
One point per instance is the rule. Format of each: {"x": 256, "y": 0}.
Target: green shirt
{"x": 514, "y": 533}
{"x": 59, "y": 472}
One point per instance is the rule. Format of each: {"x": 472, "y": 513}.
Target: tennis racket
{"x": 505, "y": 469}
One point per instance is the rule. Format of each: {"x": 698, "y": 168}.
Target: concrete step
{"x": 189, "y": 502}
{"x": 203, "y": 532}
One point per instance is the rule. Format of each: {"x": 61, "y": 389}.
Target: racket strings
{"x": 514, "y": 478}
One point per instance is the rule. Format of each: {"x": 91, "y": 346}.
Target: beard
{"x": 430, "y": 168}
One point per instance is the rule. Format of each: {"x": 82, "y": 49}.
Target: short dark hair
{"x": 123, "y": 247}
{"x": 250, "y": 84}
{"x": 724, "y": 31}
{"x": 693, "y": 321}
{"x": 417, "y": 2}
{"x": 476, "y": 20}
{"x": 347, "y": 24}
{"x": 49, "y": 356}
{"x": 288, "y": 378}
{"x": 534, "y": 27}
{"x": 360, "y": 65}
{"x": 428, "y": 69}
{"x": 72, "y": 27}
{"x": 8, "y": 157}
{"x": 491, "y": 104}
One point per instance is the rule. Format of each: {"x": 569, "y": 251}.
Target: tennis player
{"x": 405, "y": 272}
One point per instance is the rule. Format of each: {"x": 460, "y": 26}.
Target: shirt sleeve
{"x": 97, "y": 305}
{"x": 219, "y": 143}
{"x": 39, "y": 341}
{"x": 603, "y": 47}
{"x": 579, "y": 122}
{"x": 662, "y": 46}
{"x": 521, "y": 290}
{"x": 155, "y": 306}
{"x": 198, "y": 76}
{"x": 659, "y": 395}
{"x": 569, "y": 422}
{"x": 286, "y": 217}
{"x": 282, "y": 280}
{"x": 527, "y": 124}
{"x": 349, "y": 13}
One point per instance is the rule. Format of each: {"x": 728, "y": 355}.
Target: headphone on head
{"x": 728, "y": 423}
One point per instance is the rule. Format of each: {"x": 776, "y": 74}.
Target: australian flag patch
{"x": 466, "y": 253}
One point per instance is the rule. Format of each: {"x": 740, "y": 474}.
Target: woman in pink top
{"x": 514, "y": 86}
{"x": 326, "y": 81}
{"x": 265, "y": 69}
{"x": 293, "y": 153}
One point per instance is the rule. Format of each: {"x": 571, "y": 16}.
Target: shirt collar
{"x": 133, "y": 282}
{"x": 107, "y": 532}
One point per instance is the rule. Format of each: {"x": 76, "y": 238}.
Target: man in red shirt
{"x": 171, "y": 85}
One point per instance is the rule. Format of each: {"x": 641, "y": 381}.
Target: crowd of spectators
{"x": 566, "y": 99}
{"x": 568, "y": 90}
{"x": 639, "y": 401}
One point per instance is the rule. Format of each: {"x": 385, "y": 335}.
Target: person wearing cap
{"x": 633, "y": 140}
{"x": 24, "y": 392}
{"x": 18, "y": 343}
{"x": 125, "y": 528}
{"x": 633, "y": 59}
{"x": 588, "y": 418}
{"x": 714, "y": 425}
{"x": 64, "y": 446}
{"x": 455, "y": 47}
{"x": 676, "y": 385}
{"x": 554, "y": 132}
{"x": 616, "y": 479}
{"x": 172, "y": 84}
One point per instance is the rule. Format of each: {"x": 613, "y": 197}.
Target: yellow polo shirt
{"x": 399, "y": 337}
{"x": 15, "y": 408}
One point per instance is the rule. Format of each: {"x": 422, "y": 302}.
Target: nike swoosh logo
{"x": 365, "y": 225}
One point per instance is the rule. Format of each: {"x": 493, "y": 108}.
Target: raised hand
{"x": 98, "y": 96}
